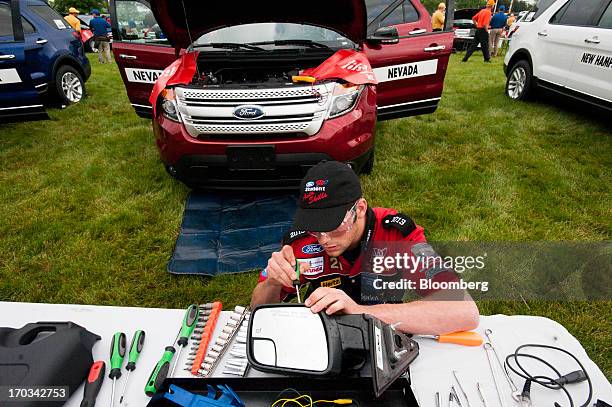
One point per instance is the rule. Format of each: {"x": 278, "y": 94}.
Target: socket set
{"x": 232, "y": 339}
{"x": 238, "y": 323}
{"x": 202, "y": 335}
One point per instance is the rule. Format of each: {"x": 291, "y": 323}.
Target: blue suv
{"x": 40, "y": 56}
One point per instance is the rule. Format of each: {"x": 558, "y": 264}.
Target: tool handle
{"x": 189, "y": 322}
{"x": 93, "y": 384}
{"x": 160, "y": 372}
{"x": 135, "y": 349}
{"x": 117, "y": 353}
{"x": 466, "y": 338}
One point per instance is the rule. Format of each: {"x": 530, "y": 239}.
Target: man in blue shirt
{"x": 498, "y": 22}
{"x": 100, "y": 28}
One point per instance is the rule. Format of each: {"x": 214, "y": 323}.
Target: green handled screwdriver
{"x": 135, "y": 349}
{"x": 189, "y": 323}
{"x": 117, "y": 352}
{"x": 160, "y": 372}
{"x": 296, "y": 282}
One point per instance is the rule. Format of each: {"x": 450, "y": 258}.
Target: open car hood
{"x": 347, "y": 17}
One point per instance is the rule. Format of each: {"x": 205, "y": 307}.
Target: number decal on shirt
{"x": 334, "y": 263}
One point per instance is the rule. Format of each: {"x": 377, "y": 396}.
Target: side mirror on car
{"x": 385, "y": 35}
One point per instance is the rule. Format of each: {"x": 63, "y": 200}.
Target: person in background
{"x": 511, "y": 20}
{"x": 100, "y": 27}
{"x": 438, "y": 17}
{"x": 482, "y": 20}
{"x": 498, "y": 23}
{"x": 72, "y": 19}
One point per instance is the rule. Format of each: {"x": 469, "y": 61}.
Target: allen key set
{"x": 202, "y": 363}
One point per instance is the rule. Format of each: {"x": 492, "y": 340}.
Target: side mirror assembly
{"x": 384, "y": 35}
{"x": 290, "y": 339}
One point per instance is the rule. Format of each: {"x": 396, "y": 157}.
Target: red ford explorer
{"x": 243, "y": 121}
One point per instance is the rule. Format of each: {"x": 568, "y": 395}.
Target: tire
{"x": 519, "y": 84}
{"x": 369, "y": 165}
{"x": 91, "y": 44}
{"x": 69, "y": 85}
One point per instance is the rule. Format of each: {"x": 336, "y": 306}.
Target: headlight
{"x": 168, "y": 105}
{"x": 344, "y": 99}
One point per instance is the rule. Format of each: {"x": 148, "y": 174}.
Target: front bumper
{"x": 204, "y": 161}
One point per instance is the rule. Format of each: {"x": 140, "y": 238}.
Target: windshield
{"x": 269, "y": 32}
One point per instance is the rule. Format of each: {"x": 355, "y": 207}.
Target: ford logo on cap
{"x": 312, "y": 249}
{"x": 248, "y": 112}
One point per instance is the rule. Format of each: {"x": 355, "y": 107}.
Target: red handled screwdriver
{"x": 93, "y": 384}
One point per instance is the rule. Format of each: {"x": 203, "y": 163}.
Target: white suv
{"x": 564, "y": 46}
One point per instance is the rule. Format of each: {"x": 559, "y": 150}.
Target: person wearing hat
{"x": 482, "y": 20}
{"x": 334, "y": 234}
{"x": 99, "y": 26}
{"x": 73, "y": 20}
{"x": 498, "y": 23}
{"x": 437, "y": 18}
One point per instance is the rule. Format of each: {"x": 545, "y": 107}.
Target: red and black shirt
{"x": 352, "y": 270}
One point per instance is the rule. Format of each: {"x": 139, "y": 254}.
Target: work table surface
{"x": 431, "y": 372}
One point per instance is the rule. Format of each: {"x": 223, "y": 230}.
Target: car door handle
{"x": 125, "y": 56}
{"x": 592, "y": 40}
{"x": 417, "y": 31}
{"x": 435, "y": 48}
{"x": 41, "y": 41}
{"x": 7, "y": 57}
{"x": 543, "y": 34}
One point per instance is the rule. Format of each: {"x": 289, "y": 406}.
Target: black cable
{"x": 548, "y": 382}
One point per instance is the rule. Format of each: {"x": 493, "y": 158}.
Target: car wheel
{"x": 519, "y": 82}
{"x": 92, "y": 45}
{"x": 69, "y": 85}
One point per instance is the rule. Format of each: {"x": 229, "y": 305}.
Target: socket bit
{"x": 237, "y": 355}
{"x": 239, "y": 309}
{"x": 232, "y": 373}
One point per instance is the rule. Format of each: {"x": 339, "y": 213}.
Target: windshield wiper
{"x": 306, "y": 43}
{"x": 229, "y": 45}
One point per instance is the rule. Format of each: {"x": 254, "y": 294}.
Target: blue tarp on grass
{"x": 229, "y": 232}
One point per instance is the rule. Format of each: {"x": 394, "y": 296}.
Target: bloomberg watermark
{"x": 556, "y": 271}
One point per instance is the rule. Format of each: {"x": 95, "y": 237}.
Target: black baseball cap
{"x": 327, "y": 192}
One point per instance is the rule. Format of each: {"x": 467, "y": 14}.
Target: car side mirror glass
{"x": 289, "y": 338}
{"x": 385, "y": 35}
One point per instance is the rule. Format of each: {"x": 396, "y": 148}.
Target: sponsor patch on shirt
{"x": 312, "y": 249}
{"x": 406, "y": 71}
{"x": 334, "y": 282}
{"x": 142, "y": 75}
{"x": 316, "y": 265}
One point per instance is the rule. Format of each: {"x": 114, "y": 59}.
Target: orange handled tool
{"x": 466, "y": 338}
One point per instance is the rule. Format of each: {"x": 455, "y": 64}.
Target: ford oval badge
{"x": 248, "y": 112}
{"x": 312, "y": 249}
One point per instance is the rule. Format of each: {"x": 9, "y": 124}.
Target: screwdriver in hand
{"x": 117, "y": 352}
{"x": 189, "y": 323}
{"x": 296, "y": 282}
{"x": 135, "y": 349}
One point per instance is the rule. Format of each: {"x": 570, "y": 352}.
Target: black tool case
{"x": 263, "y": 391}
{"x": 44, "y": 354}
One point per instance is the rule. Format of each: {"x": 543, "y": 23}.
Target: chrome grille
{"x": 291, "y": 109}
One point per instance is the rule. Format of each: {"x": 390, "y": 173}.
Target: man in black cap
{"x": 334, "y": 229}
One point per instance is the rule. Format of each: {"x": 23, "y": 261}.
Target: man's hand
{"x": 281, "y": 267}
{"x": 333, "y": 300}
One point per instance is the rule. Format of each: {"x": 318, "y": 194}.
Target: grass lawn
{"x": 88, "y": 214}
